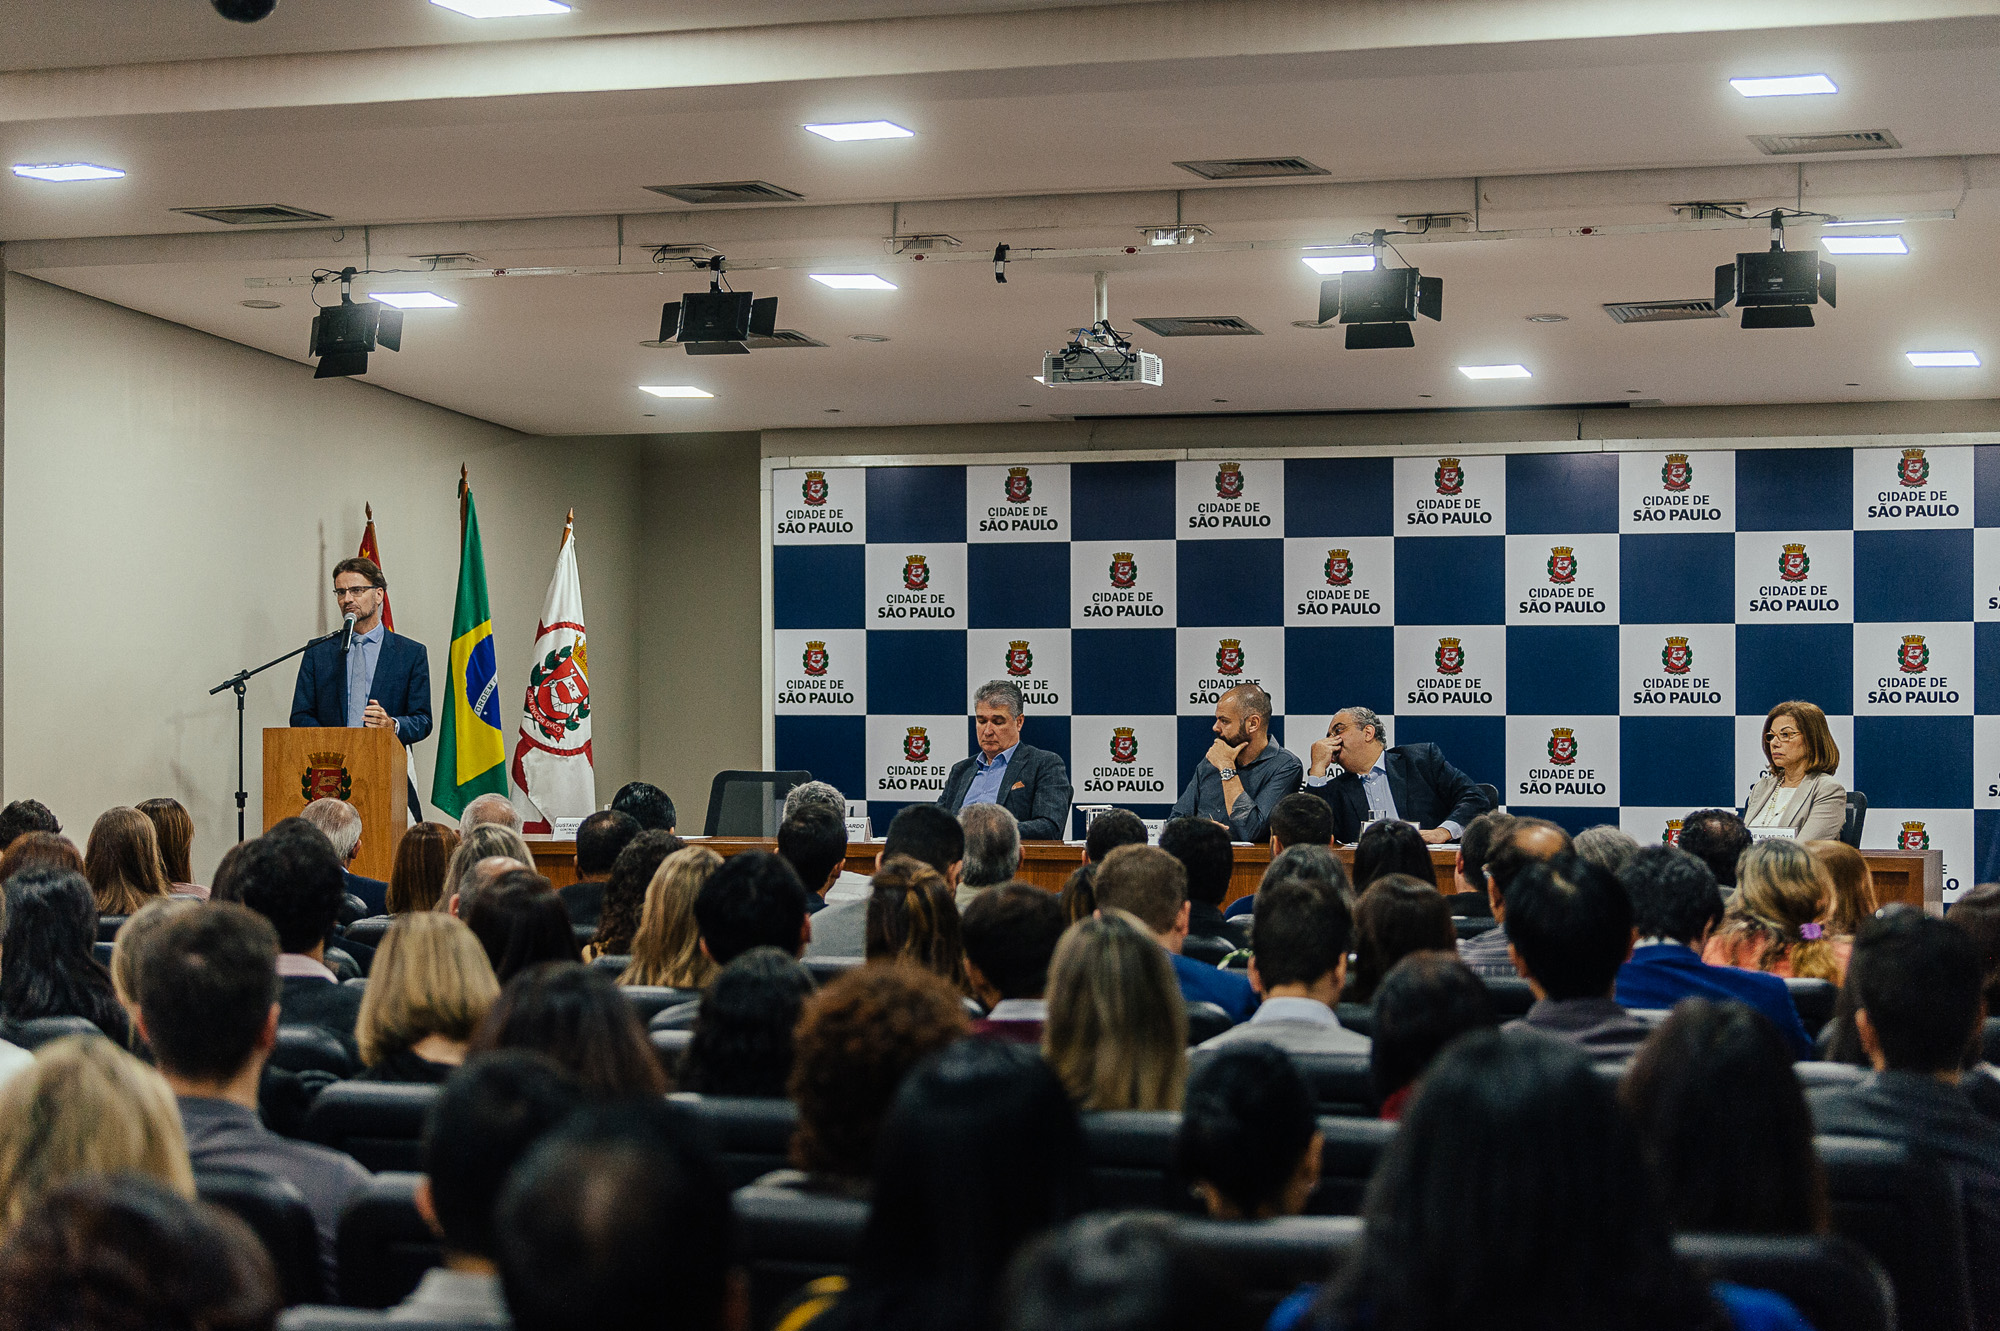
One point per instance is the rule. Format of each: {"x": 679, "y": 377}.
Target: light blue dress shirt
{"x": 362, "y": 654}
{"x": 988, "y": 776}
{"x": 1375, "y": 787}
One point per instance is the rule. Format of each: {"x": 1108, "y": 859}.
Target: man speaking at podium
{"x": 1030, "y": 783}
{"x": 379, "y": 679}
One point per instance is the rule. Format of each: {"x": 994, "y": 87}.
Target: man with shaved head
{"x": 1244, "y": 774}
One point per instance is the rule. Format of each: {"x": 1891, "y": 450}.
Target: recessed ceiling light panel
{"x": 854, "y": 131}
{"x": 674, "y": 390}
{"x": 1863, "y": 245}
{"x": 502, "y": 8}
{"x": 1495, "y": 371}
{"x": 63, "y": 172}
{"x": 1789, "y": 85}
{"x": 413, "y": 300}
{"x": 852, "y": 281}
{"x": 1944, "y": 360}
{"x": 1328, "y": 265}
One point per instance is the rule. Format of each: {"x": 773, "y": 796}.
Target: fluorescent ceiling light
{"x": 1865, "y": 221}
{"x": 673, "y": 390}
{"x": 852, "y": 281}
{"x": 1864, "y": 245}
{"x": 1495, "y": 371}
{"x": 413, "y": 300}
{"x": 65, "y": 171}
{"x": 1791, "y": 85}
{"x": 855, "y": 130}
{"x": 1340, "y": 263}
{"x": 502, "y": 8}
{"x": 1944, "y": 360}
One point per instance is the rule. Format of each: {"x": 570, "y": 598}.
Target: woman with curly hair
{"x": 1782, "y": 920}
{"x": 625, "y": 893}
{"x": 913, "y": 914}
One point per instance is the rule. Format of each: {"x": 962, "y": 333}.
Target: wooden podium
{"x": 367, "y": 768}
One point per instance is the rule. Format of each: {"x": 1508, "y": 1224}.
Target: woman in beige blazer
{"x": 1799, "y": 791}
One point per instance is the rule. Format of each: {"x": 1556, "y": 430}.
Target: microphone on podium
{"x": 347, "y": 633}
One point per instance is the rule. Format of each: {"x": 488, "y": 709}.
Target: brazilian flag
{"x": 472, "y": 753}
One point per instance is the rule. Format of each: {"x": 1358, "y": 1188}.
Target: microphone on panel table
{"x": 347, "y": 633}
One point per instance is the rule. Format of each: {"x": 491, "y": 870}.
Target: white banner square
{"x": 1794, "y": 577}
{"x": 1122, "y": 584}
{"x": 1017, "y": 503}
{"x": 1562, "y": 580}
{"x": 821, "y": 672}
{"x": 1340, "y": 584}
{"x": 1677, "y": 670}
{"x": 1912, "y": 487}
{"x": 1451, "y": 496}
{"x": 1676, "y": 492}
{"x": 1561, "y": 761}
{"x": 910, "y": 756}
{"x": 826, "y": 506}
{"x": 1124, "y": 760}
{"x": 915, "y": 586}
{"x": 1229, "y": 501}
{"x": 1036, "y": 661}
{"x": 1451, "y": 671}
{"x": 1913, "y": 669}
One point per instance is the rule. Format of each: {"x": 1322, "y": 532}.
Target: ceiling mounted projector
{"x": 1099, "y": 356}
{"x": 716, "y": 322}
{"x": 1775, "y": 288}
{"x": 1379, "y": 304}
{"x": 344, "y": 334}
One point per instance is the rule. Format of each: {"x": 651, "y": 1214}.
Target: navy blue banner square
{"x": 1795, "y": 489}
{"x": 1559, "y": 671}
{"x": 1340, "y": 498}
{"x": 1121, "y": 672}
{"x": 1231, "y": 584}
{"x": 1913, "y": 575}
{"x": 1986, "y": 672}
{"x": 1985, "y": 846}
{"x": 1779, "y": 662}
{"x": 1677, "y": 762}
{"x": 1328, "y": 669}
{"x": 833, "y": 748}
{"x": 1678, "y": 578}
{"x": 817, "y": 587}
{"x": 1121, "y": 501}
{"x": 917, "y": 671}
{"x": 1011, "y": 586}
{"x": 1570, "y": 819}
{"x": 1986, "y": 500}
{"x": 916, "y": 504}
{"x": 1450, "y": 579}
{"x": 1475, "y": 745}
{"x": 1560, "y": 493}
{"x": 1913, "y": 762}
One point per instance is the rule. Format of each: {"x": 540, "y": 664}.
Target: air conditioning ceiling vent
{"x": 1201, "y": 325}
{"x": 1791, "y": 145}
{"x": 256, "y": 214}
{"x": 1253, "y": 168}
{"x": 729, "y": 191}
{"x": 1661, "y": 311}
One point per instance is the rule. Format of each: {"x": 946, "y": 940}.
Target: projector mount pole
{"x": 1777, "y": 233}
{"x": 347, "y": 286}
{"x": 1101, "y": 306}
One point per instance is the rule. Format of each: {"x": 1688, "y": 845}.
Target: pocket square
{"x": 1020, "y": 785}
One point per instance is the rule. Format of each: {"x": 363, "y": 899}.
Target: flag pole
{"x": 569, "y": 524}
{"x": 464, "y": 489}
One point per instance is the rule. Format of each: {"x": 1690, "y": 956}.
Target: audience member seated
{"x": 1109, "y": 831}
{"x": 487, "y": 841}
{"x": 1109, "y": 1272}
{"x": 48, "y": 961}
{"x": 923, "y": 832}
{"x": 173, "y": 828}
{"x": 122, "y": 862}
{"x": 1798, "y": 793}
{"x": 1317, "y": 863}
{"x": 849, "y": 886}
{"x": 1779, "y": 921}
{"x": 1249, "y": 1139}
{"x": 423, "y": 857}
{"x": 1079, "y": 899}
{"x": 130, "y": 943}
{"x": 814, "y": 842}
{"x": 913, "y": 916}
{"x": 43, "y": 850}
{"x": 521, "y": 922}
{"x": 1916, "y": 984}
{"x": 1299, "y": 940}
{"x": 615, "y": 1224}
{"x": 1396, "y": 915}
{"x": 855, "y": 1041}
{"x": 1675, "y": 907}
{"x": 625, "y": 892}
{"x": 489, "y": 811}
{"x": 86, "y": 1107}
{"x": 1204, "y": 851}
{"x": 1300, "y": 819}
{"x": 209, "y": 1005}
{"x": 1516, "y": 1195}
{"x": 1468, "y": 872}
{"x": 1978, "y": 913}
{"x": 1724, "y": 1124}
{"x": 742, "y": 1042}
{"x": 1117, "y": 1028}
{"x": 340, "y": 822}
{"x": 1010, "y": 936}
{"x": 1570, "y": 929}
{"x": 1427, "y": 1000}
{"x": 576, "y": 1016}
{"x": 1854, "y": 898}
{"x": 993, "y": 1120}
{"x": 1718, "y": 838}
{"x": 1388, "y": 847}
{"x": 291, "y": 877}
{"x": 648, "y": 805}
{"x": 992, "y": 849}
{"x": 667, "y": 949}
{"x": 599, "y": 839}
{"x": 429, "y": 990}
{"x": 1152, "y": 886}
{"x": 753, "y": 899}
{"x": 1605, "y": 846}
{"x": 489, "y": 1115}
{"x": 106, "y": 1254}
{"x": 24, "y": 816}
{"x": 1521, "y": 842}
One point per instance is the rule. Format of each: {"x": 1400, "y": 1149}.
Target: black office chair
{"x": 749, "y": 803}
{"x": 1989, "y": 1039}
{"x": 1237, "y": 930}
{"x": 584, "y": 933}
{"x": 1492, "y": 794}
{"x": 312, "y": 1049}
{"x": 680, "y": 1017}
{"x": 370, "y": 931}
{"x": 672, "y": 1047}
{"x": 648, "y": 1000}
{"x": 1252, "y": 1266}
{"x": 825, "y": 970}
{"x": 1352, "y": 1149}
{"x": 785, "y": 1240}
{"x": 1340, "y": 1083}
{"x": 749, "y": 1137}
{"x": 381, "y": 1124}
{"x": 102, "y": 951}
{"x": 384, "y": 1246}
{"x": 614, "y": 962}
{"x": 1857, "y": 815}
{"x": 1357, "y": 1017}
{"x": 1902, "y": 1207}
{"x": 1130, "y": 1157}
{"x": 1207, "y": 949}
{"x": 277, "y": 1214}
{"x": 343, "y": 965}
{"x": 1814, "y": 1000}
{"x": 108, "y": 927}
{"x": 1510, "y": 994}
{"x": 1205, "y": 1022}
{"x": 1814, "y": 1075}
{"x": 1834, "y": 1284}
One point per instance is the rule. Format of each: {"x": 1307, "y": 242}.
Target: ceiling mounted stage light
{"x": 1943, "y": 360}
{"x": 717, "y": 322}
{"x": 1775, "y": 288}
{"x": 853, "y": 281}
{"x": 344, "y": 334}
{"x": 413, "y": 300}
{"x": 1788, "y": 85}
{"x": 64, "y": 172}
{"x": 1864, "y": 245}
{"x": 857, "y": 131}
{"x": 1378, "y": 304}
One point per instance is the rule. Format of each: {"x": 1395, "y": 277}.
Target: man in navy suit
{"x": 383, "y": 681}
{"x": 1354, "y": 772}
{"x": 1030, "y": 783}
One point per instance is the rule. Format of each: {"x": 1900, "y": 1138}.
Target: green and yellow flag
{"x": 472, "y": 753}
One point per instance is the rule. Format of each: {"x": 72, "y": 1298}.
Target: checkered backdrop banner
{"x": 1597, "y": 634}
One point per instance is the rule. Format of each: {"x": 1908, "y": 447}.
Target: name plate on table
{"x": 859, "y": 830}
{"x": 1153, "y": 826}
{"x": 565, "y": 828}
{"x": 1773, "y": 834}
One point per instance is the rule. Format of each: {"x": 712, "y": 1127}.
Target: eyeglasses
{"x": 342, "y": 593}
{"x": 1784, "y": 734}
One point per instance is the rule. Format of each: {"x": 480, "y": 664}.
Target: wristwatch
{"x": 1226, "y": 773}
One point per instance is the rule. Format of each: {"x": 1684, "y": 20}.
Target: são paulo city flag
{"x": 553, "y": 776}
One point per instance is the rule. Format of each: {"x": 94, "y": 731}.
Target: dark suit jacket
{"x": 402, "y": 685}
{"x": 307, "y": 1000}
{"x": 373, "y": 891}
{"x": 1035, "y": 790}
{"x": 1427, "y": 790}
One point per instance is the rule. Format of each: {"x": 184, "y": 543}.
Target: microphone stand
{"x": 236, "y": 682}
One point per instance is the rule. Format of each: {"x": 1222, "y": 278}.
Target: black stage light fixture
{"x": 1776, "y": 288}
{"x": 344, "y": 334}
{"x": 1379, "y": 304}
{"x": 245, "y": 11}
{"x": 717, "y": 322}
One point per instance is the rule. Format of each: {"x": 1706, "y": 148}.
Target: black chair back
{"x": 749, "y": 803}
{"x": 102, "y": 951}
{"x": 825, "y": 970}
{"x": 680, "y": 1017}
{"x": 583, "y": 933}
{"x": 1237, "y": 930}
{"x": 1834, "y": 1285}
{"x": 1510, "y": 994}
{"x": 1989, "y": 1039}
{"x": 1252, "y": 1266}
{"x": 672, "y": 1047}
{"x": 277, "y": 1214}
{"x": 381, "y": 1124}
{"x": 786, "y": 1240}
{"x": 35, "y": 1032}
{"x": 1207, "y": 949}
{"x": 1205, "y": 1022}
{"x": 1857, "y": 817}
{"x": 1903, "y": 1209}
{"x": 1814, "y": 999}
{"x": 352, "y": 908}
{"x": 312, "y": 1049}
{"x": 343, "y": 965}
{"x": 108, "y": 927}
{"x": 384, "y": 1246}
{"x": 650, "y": 999}
{"x": 1812, "y": 1075}
{"x": 370, "y": 931}
{"x": 1492, "y": 794}
{"x": 1357, "y": 1017}
{"x": 615, "y": 962}
{"x": 749, "y": 1137}
{"x": 1471, "y": 926}
{"x": 1340, "y": 1083}
{"x": 1130, "y": 1154}
{"x": 1353, "y": 1148}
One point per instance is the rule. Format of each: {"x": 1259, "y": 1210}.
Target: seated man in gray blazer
{"x": 1299, "y": 935}
{"x": 1030, "y": 783}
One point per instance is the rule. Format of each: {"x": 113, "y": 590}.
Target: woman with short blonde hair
{"x": 1780, "y": 922}
{"x": 666, "y": 949}
{"x": 122, "y": 862}
{"x": 86, "y": 1107}
{"x": 1854, "y": 898}
{"x": 1798, "y": 793}
{"x": 1117, "y": 1028}
{"x": 429, "y": 989}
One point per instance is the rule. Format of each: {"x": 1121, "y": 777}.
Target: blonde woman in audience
{"x": 1117, "y": 1028}
{"x": 122, "y": 862}
{"x": 666, "y": 950}
{"x": 86, "y": 1107}
{"x": 1854, "y": 898}
{"x": 126, "y": 949}
{"x": 175, "y": 831}
{"x": 429, "y": 989}
{"x": 1781, "y": 922}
